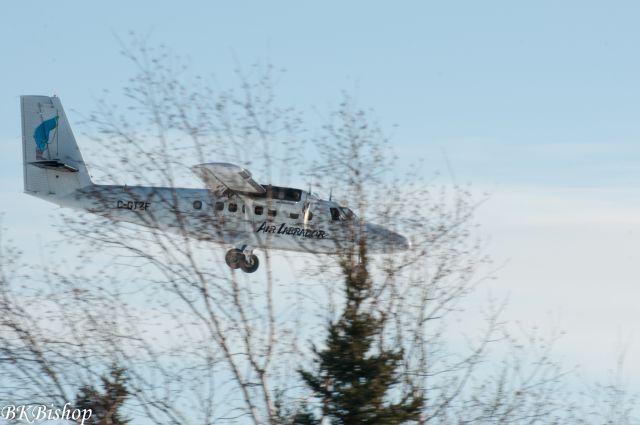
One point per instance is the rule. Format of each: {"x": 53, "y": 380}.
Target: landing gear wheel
{"x": 251, "y": 265}
{"x": 234, "y": 258}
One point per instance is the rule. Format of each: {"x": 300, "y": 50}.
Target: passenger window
{"x": 197, "y": 205}
{"x": 272, "y": 213}
{"x": 258, "y": 210}
{"x": 233, "y": 207}
{"x": 294, "y": 215}
{"x": 335, "y": 214}
{"x": 219, "y": 206}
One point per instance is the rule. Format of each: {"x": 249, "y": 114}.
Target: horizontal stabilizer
{"x": 55, "y": 165}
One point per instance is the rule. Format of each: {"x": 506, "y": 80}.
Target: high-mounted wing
{"x": 220, "y": 175}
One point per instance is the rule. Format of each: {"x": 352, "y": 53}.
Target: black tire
{"x": 234, "y": 258}
{"x": 251, "y": 266}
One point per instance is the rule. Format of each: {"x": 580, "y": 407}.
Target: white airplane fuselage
{"x": 233, "y": 210}
{"x": 232, "y": 220}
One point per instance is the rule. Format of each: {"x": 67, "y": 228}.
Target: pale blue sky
{"x": 536, "y": 101}
{"x": 539, "y": 92}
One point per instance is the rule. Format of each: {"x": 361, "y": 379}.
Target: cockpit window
{"x": 292, "y": 194}
{"x": 348, "y": 214}
{"x": 335, "y": 214}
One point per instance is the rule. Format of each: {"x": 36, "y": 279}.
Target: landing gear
{"x": 244, "y": 260}
{"x": 250, "y": 265}
{"x": 233, "y": 258}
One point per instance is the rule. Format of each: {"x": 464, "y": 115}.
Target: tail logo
{"x": 41, "y": 135}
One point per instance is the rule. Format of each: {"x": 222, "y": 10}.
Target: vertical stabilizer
{"x": 52, "y": 162}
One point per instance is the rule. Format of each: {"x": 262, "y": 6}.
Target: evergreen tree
{"x": 355, "y": 381}
{"x": 105, "y": 405}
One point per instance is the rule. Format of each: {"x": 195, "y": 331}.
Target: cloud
{"x": 572, "y": 253}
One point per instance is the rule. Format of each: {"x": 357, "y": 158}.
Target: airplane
{"x": 233, "y": 209}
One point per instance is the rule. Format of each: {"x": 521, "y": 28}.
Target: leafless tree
{"x": 203, "y": 344}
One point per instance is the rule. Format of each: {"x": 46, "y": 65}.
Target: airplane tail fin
{"x": 52, "y": 162}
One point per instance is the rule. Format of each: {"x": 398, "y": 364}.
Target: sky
{"x": 532, "y": 103}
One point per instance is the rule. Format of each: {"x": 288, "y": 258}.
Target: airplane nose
{"x": 403, "y": 243}
{"x": 384, "y": 240}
